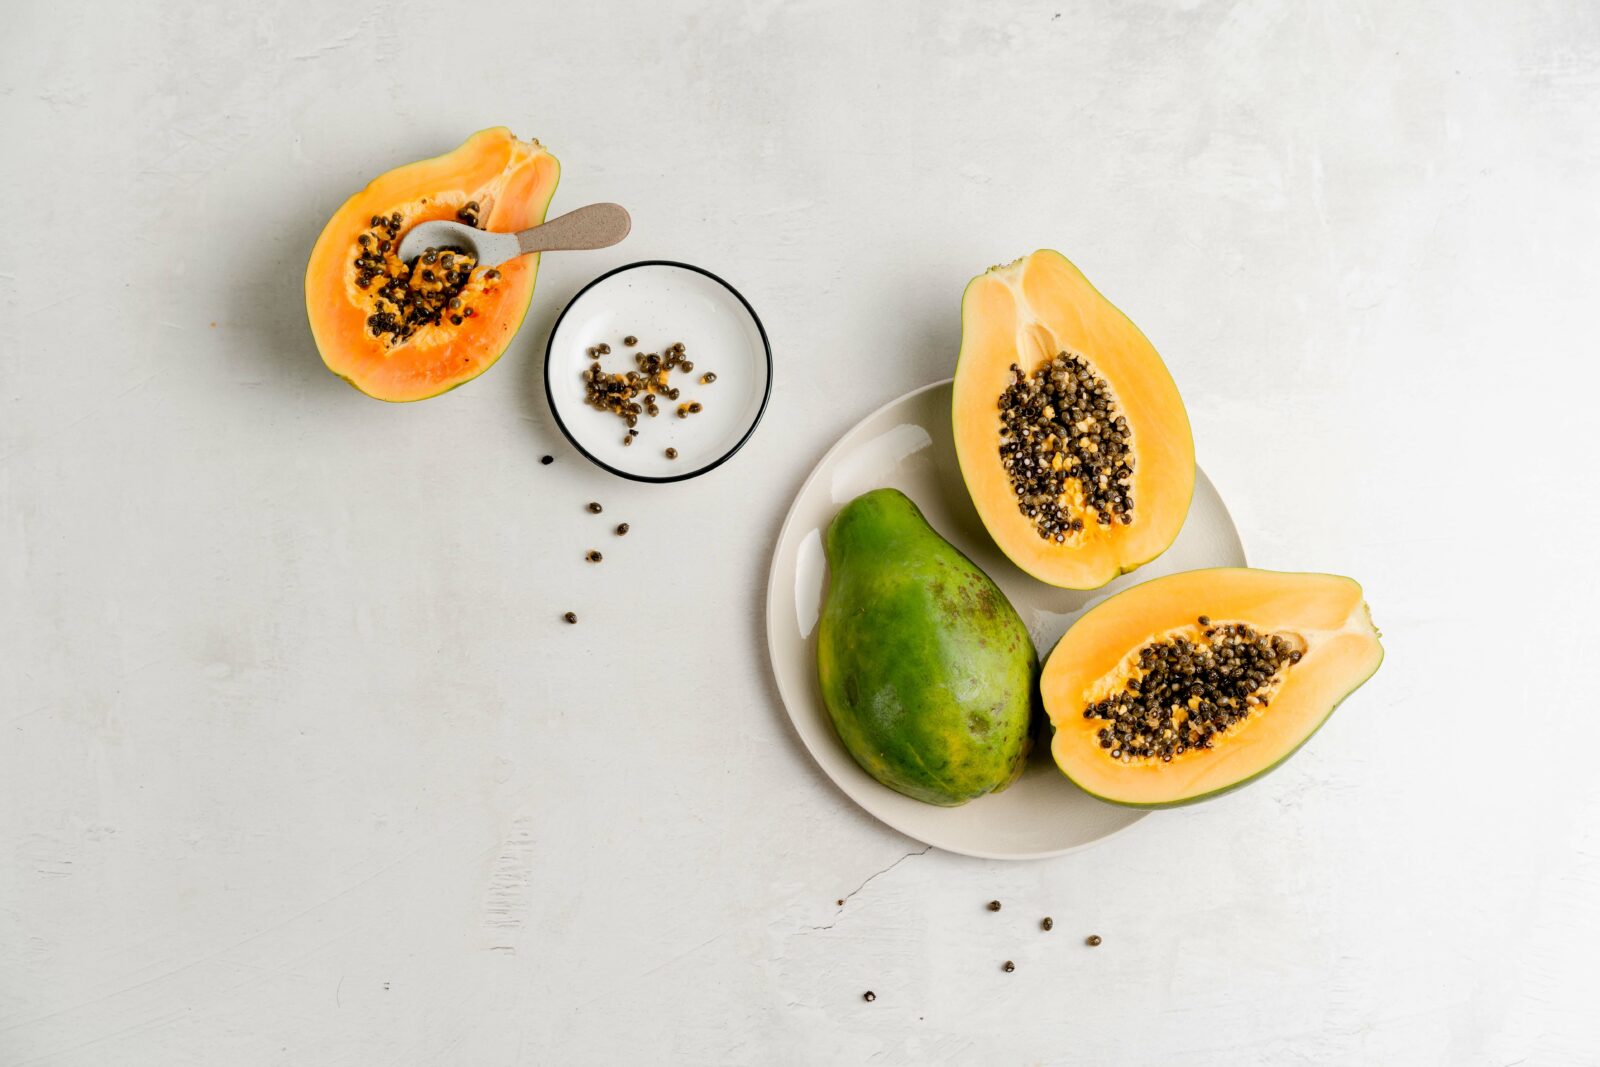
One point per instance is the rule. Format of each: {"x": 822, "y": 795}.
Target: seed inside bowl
{"x": 632, "y": 393}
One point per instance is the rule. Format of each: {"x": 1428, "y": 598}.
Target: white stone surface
{"x": 300, "y": 765}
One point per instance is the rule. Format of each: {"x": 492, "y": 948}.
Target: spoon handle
{"x": 594, "y": 226}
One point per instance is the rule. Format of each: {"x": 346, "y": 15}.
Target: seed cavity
{"x": 1066, "y": 448}
{"x": 401, "y": 298}
{"x": 1182, "y": 691}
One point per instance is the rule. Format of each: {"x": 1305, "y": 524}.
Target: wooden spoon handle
{"x": 594, "y": 226}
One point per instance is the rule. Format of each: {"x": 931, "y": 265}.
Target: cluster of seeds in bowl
{"x": 1188, "y": 689}
{"x": 431, "y": 290}
{"x": 1066, "y": 448}
{"x": 635, "y": 393}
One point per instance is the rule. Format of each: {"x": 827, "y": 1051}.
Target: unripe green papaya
{"x": 926, "y": 669}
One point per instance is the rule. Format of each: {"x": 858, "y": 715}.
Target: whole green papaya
{"x": 927, "y": 672}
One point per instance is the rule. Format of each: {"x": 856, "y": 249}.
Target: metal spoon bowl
{"x": 594, "y": 226}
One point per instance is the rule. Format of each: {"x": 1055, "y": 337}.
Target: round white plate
{"x": 907, "y": 444}
{"x": 659, "y": 302}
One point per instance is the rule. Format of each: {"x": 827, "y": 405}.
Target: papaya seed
{"x": 1188, "y": 687}
{"x": 1065, "y": 447}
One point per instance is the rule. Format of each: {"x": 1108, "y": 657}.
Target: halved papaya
{"x": 1072, "y": 438}
{"x": 1189, "y": 686}
{"x": 408, "y": 331}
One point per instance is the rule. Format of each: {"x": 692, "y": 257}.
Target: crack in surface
{"x": 868, "y": 881}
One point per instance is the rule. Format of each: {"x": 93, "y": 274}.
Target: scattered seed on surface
{"x": 594, "y": 506}
{"x": 1008, "y": 967}
{"x": 622, "y": 529}
{"x": 1092, "y": 940}
{"x": 1047, "y": 923}
{"x": 603, "y": 349}
{"x": 869, "y": 996}
{"x": 994, "y": 905}
{"x": 571, "y": 616}
{"x": 547, "y": 460}
{"x": 593, "y": 556}
{"x": 707, "y": 378}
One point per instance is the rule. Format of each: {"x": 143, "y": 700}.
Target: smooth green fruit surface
{"x": 927, "y": 671}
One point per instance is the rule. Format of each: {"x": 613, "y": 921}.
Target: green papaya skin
{"x": 926, "y": 669}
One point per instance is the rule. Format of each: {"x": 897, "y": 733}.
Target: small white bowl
{"x": 660, "y": 301}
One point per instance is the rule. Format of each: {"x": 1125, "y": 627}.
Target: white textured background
{"x": 298, "y": 764}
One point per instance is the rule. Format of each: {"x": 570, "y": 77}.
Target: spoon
{"x": 594, "y": 226}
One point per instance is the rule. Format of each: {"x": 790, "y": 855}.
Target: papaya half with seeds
{"x": 1191, "y": 685}
{"x": 1072, "y": 439}
{"x": 408, "y": 331}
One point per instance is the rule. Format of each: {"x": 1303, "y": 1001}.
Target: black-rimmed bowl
{"x": 661, "y": 302}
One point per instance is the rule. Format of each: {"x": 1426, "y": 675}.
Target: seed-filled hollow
{"x": 401, "y": 298}
{"x": 1066, "y": 448}
{"x": 1184, "y": 690}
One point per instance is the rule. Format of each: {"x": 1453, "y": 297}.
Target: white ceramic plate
{"x": 659, "y": 302}
{"x": 907, "y": 444}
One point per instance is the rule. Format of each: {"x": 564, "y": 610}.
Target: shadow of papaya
{"x": 267, "y": 337}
